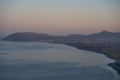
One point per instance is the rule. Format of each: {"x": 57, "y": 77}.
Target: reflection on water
{"x": 44, "y": 61}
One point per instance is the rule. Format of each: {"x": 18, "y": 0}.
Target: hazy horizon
{"x": 61, "y": 17}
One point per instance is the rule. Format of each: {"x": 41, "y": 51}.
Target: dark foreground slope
{"x": 104, "y": 42}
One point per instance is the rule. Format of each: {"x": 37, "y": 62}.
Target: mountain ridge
{"x": 104, "y": 36}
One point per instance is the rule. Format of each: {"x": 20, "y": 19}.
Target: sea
{"x": 46, "y": 61}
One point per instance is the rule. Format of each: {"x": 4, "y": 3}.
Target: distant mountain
{"x": 28, "y": 36}
{"x": 103, "y": 36}
{"x": 75, "y": 36}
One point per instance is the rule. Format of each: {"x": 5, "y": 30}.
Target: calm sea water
{"x": 45, "y": 61}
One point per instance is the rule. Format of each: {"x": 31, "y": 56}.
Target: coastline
{"x": 115, "y": 65}
{"x": 96, "y": 48}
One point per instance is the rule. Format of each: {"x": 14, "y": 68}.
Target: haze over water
{"x": 44, "y": 61}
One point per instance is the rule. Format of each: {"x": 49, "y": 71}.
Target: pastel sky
{"x": 59, "y": 17}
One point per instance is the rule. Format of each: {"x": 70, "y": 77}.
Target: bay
{"x": 45, "y": 61}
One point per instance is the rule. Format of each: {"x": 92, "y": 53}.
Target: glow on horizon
{"x": 60, "y": 17}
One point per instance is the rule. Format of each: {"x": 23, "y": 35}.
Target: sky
{"x": 59, "y": 17}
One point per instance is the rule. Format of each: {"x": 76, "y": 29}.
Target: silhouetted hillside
{"x": 29, "y": 36}
{"x": 105, "y": 36}
{"x": 100, "y": 37}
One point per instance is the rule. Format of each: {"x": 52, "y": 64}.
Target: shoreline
{"x": 96, "y": 47}
{"x": 115, "y": 65}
